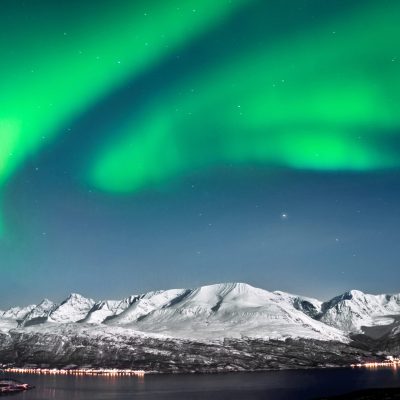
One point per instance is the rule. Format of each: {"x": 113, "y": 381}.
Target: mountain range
{"x": 197, "y": 328}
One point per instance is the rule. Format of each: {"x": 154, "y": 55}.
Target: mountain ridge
{"x": 219, "y": 308}
{"x": 213, "y": 328}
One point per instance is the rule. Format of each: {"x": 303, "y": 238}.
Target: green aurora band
{"x": 54, "y": 68}
{"x": 327, "y": 100}
{"x": 323, "y": 98}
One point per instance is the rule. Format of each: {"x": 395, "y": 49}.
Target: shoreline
{"x": 76, "y": 371}
{"x": 141, "y": 373}
{"x": 106, "y": 371}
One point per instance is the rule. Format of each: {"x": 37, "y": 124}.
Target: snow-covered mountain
{"x": 308, "y": 305}
{"x": 354, "y": 310}
{"x": 104, "y": 309}
{"x": 10, "y": 318}
{"x": 39, "y": 313}
{"x": 222, "y": 327}
{"x": 73, "y": 309}
{"x": 223, "y": 310}
{"x": 17, "y": 313}
{"x": 228, "y": 310}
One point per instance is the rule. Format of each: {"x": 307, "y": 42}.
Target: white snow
{"x": 308, "y": 305}
{"x": 6, "y": 324}
{"x": 73, "y": 309}
{"x": 18, "y": 313}
{"x": 355, "y": 309}
{"x": 145, "y": 304}
{"x": 10, "y": 318}
{"x": 42, "y": 310}
{"x": 104, "y": 309}
{"x": 213, "y": 312}
{"x": 222, "y": 310}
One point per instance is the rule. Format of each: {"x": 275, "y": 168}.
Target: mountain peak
{"x": 74, "y": 308}
{"x": 18, "y": 313}
{"x": 355, "y": 293}
{"x": 228, "y": 287}
{"x": 45, "y": 302}
{"x": 75, "y": 296}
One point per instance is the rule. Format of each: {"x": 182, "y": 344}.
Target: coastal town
{"x": 10, "y": 386}
{"x": 73, "y": 370}
{"x": 390, "y": 361}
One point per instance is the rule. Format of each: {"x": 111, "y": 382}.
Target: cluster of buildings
{"x": 75, "y": 371}
{"x": 390, "y": 361}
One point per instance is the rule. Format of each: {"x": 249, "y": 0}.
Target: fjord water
{"x": 274, "y": 385}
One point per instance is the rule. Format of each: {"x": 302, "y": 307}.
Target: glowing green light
{"x": 317, "y": 102}
{"x": 54, "y": 67}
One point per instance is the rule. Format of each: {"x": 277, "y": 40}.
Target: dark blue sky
{"x": 341, "y": 232}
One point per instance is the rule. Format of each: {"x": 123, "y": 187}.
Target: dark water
{"x": 279, "y": 385}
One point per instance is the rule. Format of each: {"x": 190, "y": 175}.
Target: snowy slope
{"x": 10, "y": 318}
{"x": 145, "y": 304}
{"x": 39, "y": 313}
{"x": 6, "y": 324}
{"x": 73, "y": 309}
{"x": 223, "y": 310}
{"x": 105, "y": 309}
{"x": 354, "y": 309}
{"x": 17, "y": 313}
{"x": 308, "y": 305}
{"x": 227, "y": 310}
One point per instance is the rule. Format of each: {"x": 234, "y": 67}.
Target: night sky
{"x": 173, "y": 143}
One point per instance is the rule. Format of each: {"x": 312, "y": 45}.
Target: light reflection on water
{"x": 276, "y": 385}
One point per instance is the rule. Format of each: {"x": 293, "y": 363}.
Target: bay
{"x": 272, "y": 385}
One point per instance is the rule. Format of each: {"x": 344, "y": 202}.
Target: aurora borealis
{"x": 169, "y": 136}
{"x": 53, "y": 74}
{"x": 274, "y": 107}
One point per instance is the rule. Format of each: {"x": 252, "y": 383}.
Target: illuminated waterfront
{"x": 76, "y": 371}
{"x": 275, "y": 385}
{"x": 390, "y": 362}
